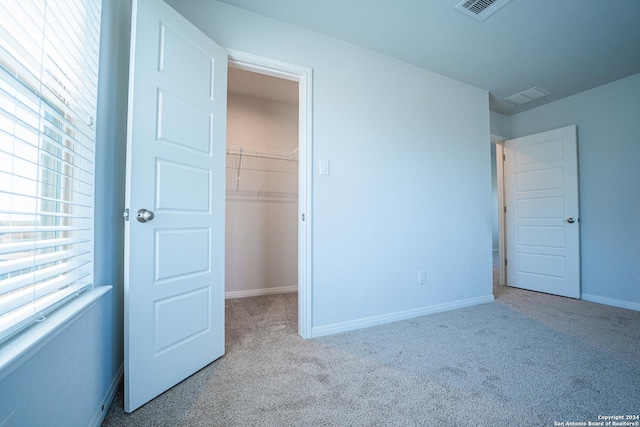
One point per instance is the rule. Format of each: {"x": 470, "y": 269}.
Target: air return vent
{"x": 527, "y": 96}
{"x": 481, "y": 9}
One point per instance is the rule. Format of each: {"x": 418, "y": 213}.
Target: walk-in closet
{"x": 261, "y": 185}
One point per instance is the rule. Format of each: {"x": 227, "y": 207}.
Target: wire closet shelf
{"x": 260, "y": 174}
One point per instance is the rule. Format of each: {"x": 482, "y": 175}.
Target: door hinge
{"x": 125, "y": 215}
{"x": 303, "y": 217}
{"x": 505, "y": 261}
{"x": 505, "y": 209}
{"x": 504, "y": 157}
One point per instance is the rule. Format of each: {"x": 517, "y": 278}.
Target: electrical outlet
{"x": 422, "y": 277}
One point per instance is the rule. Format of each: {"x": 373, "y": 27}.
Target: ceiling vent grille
{"x": 527, "y": 96}
{"x": 481, "y": 9}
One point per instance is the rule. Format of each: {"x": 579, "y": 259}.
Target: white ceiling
{"x": 262, "y": 86}
{"x": 562, "y": 46}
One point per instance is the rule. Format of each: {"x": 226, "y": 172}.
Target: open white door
{"x": 174, "y": 251}
{"x": 542, "y": 219}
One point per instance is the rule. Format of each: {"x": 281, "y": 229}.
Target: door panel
{"x": 541, "y": 191}
{"x": 536, "y": 180}
{"x": 174, "y": 263}
{"x": 540, "y": 207}
{"x": 171, "y": 181}
{"x": 182, "y": 252}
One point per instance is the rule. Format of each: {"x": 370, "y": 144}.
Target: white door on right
{"x": 542, "y": 218}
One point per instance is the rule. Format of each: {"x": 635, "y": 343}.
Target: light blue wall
{"x": 410, "y": 184}
{"x": 500, "y": 125}
{"x": 111, "y": 158}
{"x": 608, "y": 121}
{"x": 66, "y": 382}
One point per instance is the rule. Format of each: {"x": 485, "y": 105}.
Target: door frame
{"x": 303, "y": 76}
{"x": 499, "y": 143}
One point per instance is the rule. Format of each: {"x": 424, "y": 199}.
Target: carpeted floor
{"x": 529, "y": 359}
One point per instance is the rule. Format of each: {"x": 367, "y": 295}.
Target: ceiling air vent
{"x": 527, "y": 96}
{"x": 481, "y": 9}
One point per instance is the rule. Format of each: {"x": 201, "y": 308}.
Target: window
{"x": 48, "y": 87}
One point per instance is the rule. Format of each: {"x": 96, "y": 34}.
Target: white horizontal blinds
{"x": 48, "y": 87}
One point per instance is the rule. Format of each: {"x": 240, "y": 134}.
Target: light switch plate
{"x": 324, "y": 167}
{"x": 422, "y": 277}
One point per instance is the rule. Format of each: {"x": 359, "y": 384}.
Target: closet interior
{"x": 261, "y": 253}
{"x": 261, "y": 174}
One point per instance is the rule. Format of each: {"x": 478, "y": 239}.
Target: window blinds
{"x": 48, "y": 87}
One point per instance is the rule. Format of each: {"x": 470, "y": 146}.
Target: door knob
{"x": 571, "y": 220}
{"x": 145, "y": 215}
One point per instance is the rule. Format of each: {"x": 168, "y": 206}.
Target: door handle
{"x": 571, "y": 220}
{"x": 145, "y": 215}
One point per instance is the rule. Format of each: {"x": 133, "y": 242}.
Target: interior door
{"x": 542, "y": 219}
{"x": 174, "y": 253}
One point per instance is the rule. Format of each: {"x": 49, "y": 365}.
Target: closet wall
{"x": 262, "y": 202}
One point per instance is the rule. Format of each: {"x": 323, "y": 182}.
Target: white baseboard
{"x": 611, "y": 301}
{"x": 98, "y": 418}
{"x": 260, "y": 292}
{"x": 394, "y": 317}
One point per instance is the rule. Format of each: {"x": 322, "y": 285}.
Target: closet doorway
{"x": 261, "y": 185}
{"x": 267, "y": 187}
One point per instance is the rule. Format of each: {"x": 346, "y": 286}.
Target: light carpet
{"x": 529, "y": 359}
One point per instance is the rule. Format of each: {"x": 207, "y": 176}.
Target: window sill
{"x": 16, "y": 351}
